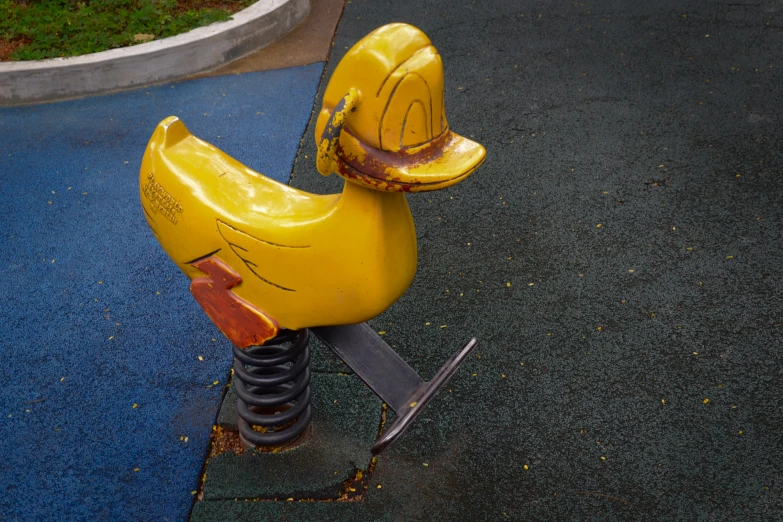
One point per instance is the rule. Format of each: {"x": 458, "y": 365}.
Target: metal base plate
{"x": 384, "y": 372}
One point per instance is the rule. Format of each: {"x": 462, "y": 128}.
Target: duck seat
{"x": 293, "y": 259}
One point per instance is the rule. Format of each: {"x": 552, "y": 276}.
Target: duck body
{"x": 251, "y": 245}
{"x": 264, "y": 256}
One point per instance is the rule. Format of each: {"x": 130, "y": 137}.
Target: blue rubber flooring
{"x": 111, "y": 373}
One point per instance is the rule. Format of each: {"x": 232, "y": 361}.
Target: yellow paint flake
{"x": 603, "y": 458}
{"x": 427, "y": 324}
{"x": 443, "y": 326}
{"x": 525, "y": 467}
{"x": 729, "y": 257}
{"x": 531, "y": 284}
{"x": 413, "y": 404}
{"x": 424, "y": 464}
{"x": 136, "y": 470}
{"x": 379, "y": 486}
{"x": 502, "y": 375}
{"x": 382, "y": 332}
{"x": 663, "y": 401}
{"x": 706, "y": 400}
{"x": 200, "y": 358}
{"x": 508, "y": 285}
{"x": 135, "y": 405}
{"x": 598, "y": 225}
{"x": 631, "y": 270}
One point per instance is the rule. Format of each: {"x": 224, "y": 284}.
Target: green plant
{"x": 54, "y": 28}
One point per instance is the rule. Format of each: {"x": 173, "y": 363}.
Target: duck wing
{"x": 272, "y": 263}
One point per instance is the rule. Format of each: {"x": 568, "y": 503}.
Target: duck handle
{"x": 326, "y": 159}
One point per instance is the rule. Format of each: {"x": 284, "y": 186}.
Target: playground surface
{"x": 618, "y": 256}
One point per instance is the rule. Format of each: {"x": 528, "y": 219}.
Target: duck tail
{"x": 161, "y": 209}
{"x": 169, "y": 132}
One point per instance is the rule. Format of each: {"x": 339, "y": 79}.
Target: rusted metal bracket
{"x": 385, "y": 373}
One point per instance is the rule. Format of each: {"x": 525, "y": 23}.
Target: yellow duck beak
{"x": 383, "y": 123}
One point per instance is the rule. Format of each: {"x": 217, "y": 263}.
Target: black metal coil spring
{"x": 272, "y": 393}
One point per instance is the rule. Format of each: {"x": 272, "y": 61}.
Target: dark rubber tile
{"x": 618, "y": 257}
{"x": 346, "y": 419}
{"x": 254, "y": 511}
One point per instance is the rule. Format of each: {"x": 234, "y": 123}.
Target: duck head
{"x": 383, "y": 121}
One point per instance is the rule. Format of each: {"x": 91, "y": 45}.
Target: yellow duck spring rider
{"x": 268, "y": 261}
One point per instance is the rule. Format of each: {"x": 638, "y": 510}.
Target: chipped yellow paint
{"x": 326, "y": 157}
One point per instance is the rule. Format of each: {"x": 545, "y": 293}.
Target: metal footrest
{"x": 378, "y": 365}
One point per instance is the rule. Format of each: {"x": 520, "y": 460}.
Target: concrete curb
{"x": 152, "y": 62}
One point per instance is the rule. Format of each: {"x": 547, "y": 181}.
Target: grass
{"x": 55, "y": 28}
